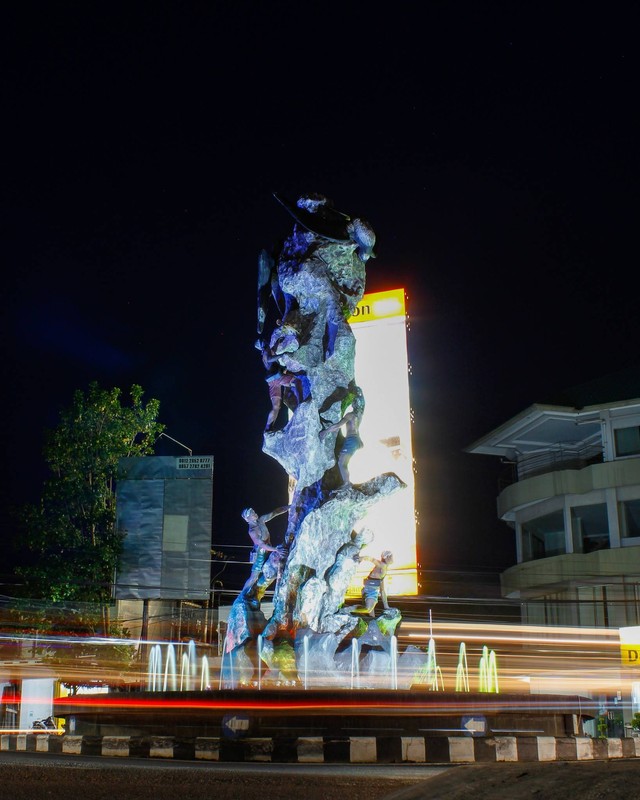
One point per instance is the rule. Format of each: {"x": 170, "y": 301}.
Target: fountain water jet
{"x": 204, "y": 674}
{"x": 488, "y": 671}
{"x": 185, "y": 673}
{"x": 462, "y": 670}
{"x": 432, "y": 668}
{"x": 154, "y": 680}
{"x": 170, "y": 670}
{"x": 355, "y": 663}
{"x": 394, "y": 662}
{"x": 305, "y": 655}
{"x": 259, "y": 643}
{"x": 192, "y": 663}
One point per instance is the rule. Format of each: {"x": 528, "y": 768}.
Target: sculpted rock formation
{"x": 307, "y": 291}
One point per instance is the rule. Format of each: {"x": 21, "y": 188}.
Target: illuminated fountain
{"x": 366, "y": 682}
{"x": 387, "y": 673}
{"x": 166, "y": 678}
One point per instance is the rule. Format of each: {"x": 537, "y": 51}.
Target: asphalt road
{"x": 29, "y": 776}
{"x": 26, "y": 776}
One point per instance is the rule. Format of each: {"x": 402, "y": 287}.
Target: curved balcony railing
{"x": 540, "y": 463}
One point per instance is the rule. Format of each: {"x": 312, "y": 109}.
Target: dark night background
{"x": 492, "y": 146}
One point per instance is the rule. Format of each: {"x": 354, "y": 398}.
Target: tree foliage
{"x": 71, "y": 535}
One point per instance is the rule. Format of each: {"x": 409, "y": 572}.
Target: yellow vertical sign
{"x": 630, "y": 646}
{"x": 630, "y": 655}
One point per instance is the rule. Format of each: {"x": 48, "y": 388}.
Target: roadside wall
{"x": 352, "y": 749}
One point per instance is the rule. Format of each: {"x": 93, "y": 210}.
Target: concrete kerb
{"x": 316, "y": 749}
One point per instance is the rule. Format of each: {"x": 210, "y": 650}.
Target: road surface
{"x": 30, "y": 776}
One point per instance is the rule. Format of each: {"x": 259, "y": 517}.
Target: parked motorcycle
{"x": 46, "y": 724}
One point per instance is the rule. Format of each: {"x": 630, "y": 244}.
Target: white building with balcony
{"x": 572, "y": 498}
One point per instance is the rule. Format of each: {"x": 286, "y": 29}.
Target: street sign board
{"x": 235, "y": 726}
{"x": 475, "y": 725}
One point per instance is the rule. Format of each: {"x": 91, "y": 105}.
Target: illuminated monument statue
{"x": 306, "y": 293}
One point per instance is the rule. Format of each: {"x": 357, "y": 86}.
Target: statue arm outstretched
{"x": 275, "y": 513}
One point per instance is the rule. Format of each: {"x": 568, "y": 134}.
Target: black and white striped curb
{"x": 353, "y": 749}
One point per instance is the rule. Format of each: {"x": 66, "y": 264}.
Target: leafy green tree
{"x": 71, "y": 535}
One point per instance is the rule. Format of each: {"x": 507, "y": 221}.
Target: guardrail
{"x": 353, "y": 749}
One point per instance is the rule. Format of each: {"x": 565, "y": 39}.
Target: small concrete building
{"x": 571, "y": 494}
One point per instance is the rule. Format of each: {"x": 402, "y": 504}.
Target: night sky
{"x": 492, "y": 146}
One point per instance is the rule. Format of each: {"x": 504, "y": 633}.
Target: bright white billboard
{"x": 382, "y": 372}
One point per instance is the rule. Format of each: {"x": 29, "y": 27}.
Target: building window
{"x": 629, "y": 519}
{"x": 627, "y": 441}
{"x": 543, "y": 537}
{"x": 590, "y": 528}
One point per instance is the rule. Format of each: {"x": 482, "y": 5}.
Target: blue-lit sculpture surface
{"x": 307, "y": 290}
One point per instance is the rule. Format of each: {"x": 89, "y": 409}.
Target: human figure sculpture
{"x": 259, "y": 534}
{"x": 352, "y": 441}
{"x": 340, "y": 574}
{"x": 374, "y": 588}
{"x": 279, "y": 380}
{"x": 278, "y": 383}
